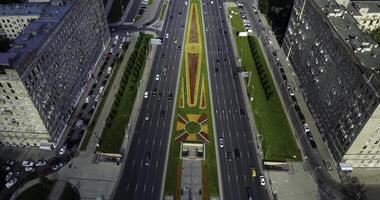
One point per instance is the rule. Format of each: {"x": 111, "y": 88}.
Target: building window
{"x": 9, "y": 85}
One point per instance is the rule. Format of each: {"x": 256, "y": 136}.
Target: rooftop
{"x": 21, "y": 9}
{"x": 33, "y": 36}
{"x": 356, "y": 8}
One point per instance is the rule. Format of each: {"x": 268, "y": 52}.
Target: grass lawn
{"x": 270, "y": 118}
{"x": 117, "y": 10}
{"x": 90, "y": 128}
{"x": 113, "y": 134}
{"x": 163, "y": 11}
{"x": 37, "y": 191}
{"x": 210, "y": 161}
{"x": 69, "y": 193}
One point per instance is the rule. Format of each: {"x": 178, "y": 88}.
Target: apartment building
{"x": 43, "y": 74}
{"x": 338, "y": 68}
{"x": 14, "y": 18}
{"x": 366, "y": 14}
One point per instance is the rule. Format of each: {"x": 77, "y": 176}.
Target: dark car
{"x": 229, "y": 156}
{"x": 147, "y": 159}
{"x": 249, "y": 193}
{"x": 162, "y": 56}
{"x": 154, "y": 92}
{"x": 235, "y": 74}
{"x": 216, "y": 69}
{"x": 170, "y": 97}
{"x": 159, "y": 96}
{"x": 162, "y": 114}
{"x": 242, "y": 113}
{"x": 237, "y": 153}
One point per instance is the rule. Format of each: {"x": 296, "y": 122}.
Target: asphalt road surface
{"x": 151, "y": 136}
{"x": 229, "y": 106}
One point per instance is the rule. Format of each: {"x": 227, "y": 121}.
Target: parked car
{"x": 29, "y": 169}
{"x": 62, "y": 150}
{"x": 11, "y": 182}
{"x": 27, "y": 163}
{"x": 8, "y": 176}
{"x": 40, "y": 163}
{"x": 10, "y": 162}
{"x": 57, "y": 166}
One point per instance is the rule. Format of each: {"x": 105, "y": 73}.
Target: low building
{"x": 366, "y": 14}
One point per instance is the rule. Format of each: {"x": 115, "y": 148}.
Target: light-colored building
{"x": 14, "y": 18}
{"x": 46, "y": 70}
{"x": 366, "y": 13}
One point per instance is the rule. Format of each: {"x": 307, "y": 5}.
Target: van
{"x": 109, "y": 70}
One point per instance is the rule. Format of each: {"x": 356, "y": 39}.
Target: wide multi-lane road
{"x": 150, "y": 140}
{"x": 229, "y": 109}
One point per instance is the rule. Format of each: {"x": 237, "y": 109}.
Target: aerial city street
{"x": 189, "y": 100}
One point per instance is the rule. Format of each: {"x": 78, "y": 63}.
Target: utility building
{"x": 338, "y": 67}
{"x": 44, "y": 73}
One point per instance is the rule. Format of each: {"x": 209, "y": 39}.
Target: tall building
{"x": 43, "y": 74}
{"x": 366, "y": 14}
{"x": 14, "y": 18}
{"x": 338, "y": 67}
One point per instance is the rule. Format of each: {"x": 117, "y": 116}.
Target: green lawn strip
{"x": 270, "y": 118}
{"x": 163, "y": 10}
{"x": 117, "y": 10}
{"x": 113, "y": 133}
{"x": 174, "y": 151}
{"x": 150, "y": 2}
{"x": 90, "y": 129}
{"x": 69, "y": 193}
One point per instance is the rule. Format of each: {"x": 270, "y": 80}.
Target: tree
{"x": 4, "y": 44}
{"x": 376, "y": 35}
{"x": 264, "y": 6}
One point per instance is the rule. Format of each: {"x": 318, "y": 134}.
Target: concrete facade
{"x": 54, "y": 57}
{"x": 14, "y": 18}
{"x": 337, "y": 66}
{"x": 366, "y": 14}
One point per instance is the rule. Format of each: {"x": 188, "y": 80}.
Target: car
{"x": 29, "y": 169}
{"x": 41, "y": 163}
{"x": 101, "y": 89}
{"x": 242, "y": 113}
{"x": 229, "y": 156}
{"x": 7, "y": 168}
{"x": 162, "y": 114}
{"x": 186, "y": 3}
{"x": 57, "y": 166}
{"x": 147, "y": 159}
{"x": 147, "y": 116}
{"x": 11, "y": 182}
{"x": 179, "y": 13}
{"x": 97, "y": 98}
{"x": 179, "y": 47}
{"x": 249, "y": 193}
{"x": 235, "y": 74}
{"x": 291, "y": 92}
{"x": 27, "y": 163}
{"x": 262, "y": 180}
{"x": 162, "y": 56}
{"x": 306, "y": 127}
{"x": 146, "y": 94}
{"x": 253, "y": 171}
{"x": 10, "y": 162}
{"x": 87, "y": 99}
{"x": 159, "y": 96}
{"x": 221, "y": 143}
{"x": 170, "y": 97}
{"x": 157, "y": 78}
{"x": 237, "y": 153}
{"x": 62, "y": 150}
{"x": 154, "y": 91}
{"x": 167, "y": 35}
{"x": 8, "y": 176}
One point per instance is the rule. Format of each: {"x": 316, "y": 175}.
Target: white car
{"x": 62, "y": 150}
{"x": 167, "y": 35}
{"x": 8, "y": 176}
{"x": 120, "y": 46}
{"x": 10, "y": 162}
{"x": 87, "y": 99}
{"x": 306, "y": 127}
{"x": 101, "y": 89}
{"x": 147, "y": 117}
{"x": 11, "y": 182}
{"x": 97, "y": 98}
{"x": 40, "y": 163}
{"x": 27, "y": 163}
{"x": 57, "y": 166}
{"x": 221, "y": 143}
{"x": 185, "y": 3}
{"x": 157, "y": 77}
{"x": 146, "y": 95}
{"x": 29, "y": 169}
{"x": 262, "y": 180}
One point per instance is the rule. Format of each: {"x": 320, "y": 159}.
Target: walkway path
{"x": 191, "y": 181}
